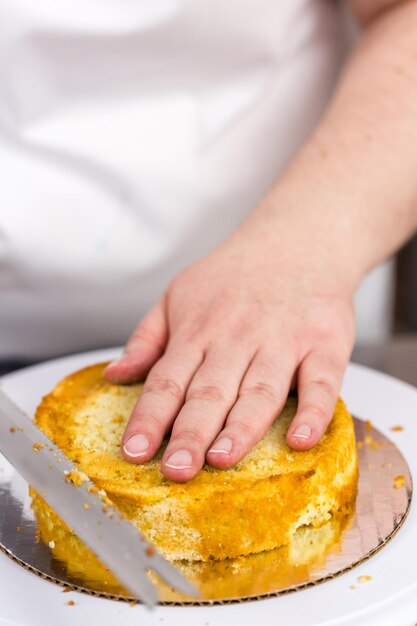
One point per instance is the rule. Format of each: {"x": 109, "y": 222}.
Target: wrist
{"x": 291, "y": 228}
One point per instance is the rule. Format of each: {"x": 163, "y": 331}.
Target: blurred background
{"x": 389, "y": 343}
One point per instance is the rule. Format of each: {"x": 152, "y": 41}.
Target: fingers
{"x": 143, "y": 349}
{"x": 262, "y": 395}
{"x": 209, "y": 398}
{"x": 162, "y": 396}
{"x": 319, "y": 380}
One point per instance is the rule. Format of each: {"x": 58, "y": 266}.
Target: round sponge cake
{"x": 254, "y": 506}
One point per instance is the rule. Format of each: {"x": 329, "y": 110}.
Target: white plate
{"x": 389, "y": 599}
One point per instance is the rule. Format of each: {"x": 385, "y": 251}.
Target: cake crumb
{"x": 353, "y": 587}
{"x": 368, "y": 439}
{"x": 399, "y": 481}
{"x": 51, "y": 544}
{"x": 76, "y": 477}
{"x": 66, "y": 589}
{"x": 364, "y": 579}
{"x": 70, "y": 603}
{"x": 37, "y": 536}
{"x": 86, "y": 505}
{"x": 360, "y": 445}
{"x": 19, "y": 529}
{"x": 38, "y": 446}
{"x": 397, "y": 428}
{"x": 12, "y": 429}
{"x": 368, "y": 425}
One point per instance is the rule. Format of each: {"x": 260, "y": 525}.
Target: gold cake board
{"x": 314, "y": 556}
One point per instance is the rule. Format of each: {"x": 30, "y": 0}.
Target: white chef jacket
{"x": 135, "y": 135}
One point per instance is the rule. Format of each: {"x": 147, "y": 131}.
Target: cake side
{"x": 237, "y": 577}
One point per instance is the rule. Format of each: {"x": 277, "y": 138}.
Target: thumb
{"x": 143, "y": 349}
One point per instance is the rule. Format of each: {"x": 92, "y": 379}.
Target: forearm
{"x": 350, "y": 195}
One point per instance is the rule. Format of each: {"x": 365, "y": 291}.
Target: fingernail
{"x": 136, "y": 445}
{"x": 181, "y": 459}
{"x": 302, "y": 432}
{"x": 222, "y": 446}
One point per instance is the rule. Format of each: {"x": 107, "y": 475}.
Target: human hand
{"x": 223, "y": 346}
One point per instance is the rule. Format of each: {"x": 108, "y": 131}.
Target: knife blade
{"x": 114, "y": 540}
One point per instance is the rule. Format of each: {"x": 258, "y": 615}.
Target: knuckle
{"x": 245, "y": 429}
{"x": 151, "y": 425}
{"x": 317, "y": 410}
{"x": 325, "y": 386}
{"x": 270, "y": 392}
{"x": 162, "y": 385}
{"x": 213, "y": 393}
{"x": 149, "y": 420}
{"x": 191, "y": 435}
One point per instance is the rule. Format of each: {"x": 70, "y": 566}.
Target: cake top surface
{"x": 85, "y": 416}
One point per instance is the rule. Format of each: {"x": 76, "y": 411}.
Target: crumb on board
{"x": 37, "y": 536}
{"x": 399, "y": 481}
{"x": 38, "y": 446}
{"x": 364, "y": 579}
{"x": 19, "y": 529}
{"x": 86, "y": 505}
{"x": 397, "y": 428}
{"x": 369, "y": 441}
{"x": 375, "y": 445}
{"x": 66, "y": 589}
{"x": 12, "y": 429}
{"x": 150, "y": 551}
{"x": 70, "y": 603}
{"x": 368, "y": 425}
{"x": 51, "y": 544}
{"x": 352, "y": 587}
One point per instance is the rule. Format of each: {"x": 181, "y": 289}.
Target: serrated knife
{"x": 114, "y": 540}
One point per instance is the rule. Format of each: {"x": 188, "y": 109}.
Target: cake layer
{"x": 256, "y": 505}
{"x": 239, "y": 577}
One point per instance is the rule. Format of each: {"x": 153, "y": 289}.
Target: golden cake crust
{"x": 256, "y": 505}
